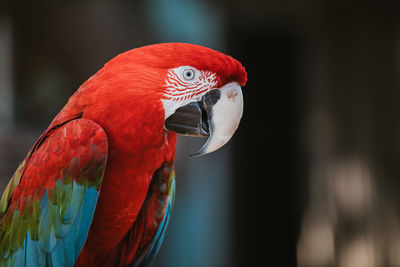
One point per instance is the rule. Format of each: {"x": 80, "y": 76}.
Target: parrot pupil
{"x": 188, "y": 74}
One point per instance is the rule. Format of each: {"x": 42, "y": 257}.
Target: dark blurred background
{"x": 311, "y": 177}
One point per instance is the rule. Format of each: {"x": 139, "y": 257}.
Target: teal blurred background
{"x": 311, "y": 178}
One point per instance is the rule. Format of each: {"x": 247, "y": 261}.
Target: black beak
{"x": 193, "y": 119}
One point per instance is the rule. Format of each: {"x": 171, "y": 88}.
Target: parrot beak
{"x": 216, "y": 115}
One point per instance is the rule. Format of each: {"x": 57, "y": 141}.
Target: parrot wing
{"x": 143, "y": 240}
{"x": 47, "y": 208}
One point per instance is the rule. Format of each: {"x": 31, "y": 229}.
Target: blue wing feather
{"x": 61, "y": 250}
{"x": 61, "y": 220}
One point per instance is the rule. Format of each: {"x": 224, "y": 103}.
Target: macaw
{"x": 97, "y": 187}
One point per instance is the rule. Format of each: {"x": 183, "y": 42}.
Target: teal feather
{"x": 47, "y": 237}
{"x": 87, "y": 212}
{"x": 58, "y": 258}
{"x": 62, "y": 249}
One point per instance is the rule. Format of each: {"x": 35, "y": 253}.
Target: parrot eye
{"x": 188, "y": 74}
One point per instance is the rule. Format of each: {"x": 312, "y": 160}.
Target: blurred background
{"x": 311, "y": 177}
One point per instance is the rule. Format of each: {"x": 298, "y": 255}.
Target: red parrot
{"x": 97, "y": 187}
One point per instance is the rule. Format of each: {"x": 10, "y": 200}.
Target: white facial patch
{"x": 186, "y": 84}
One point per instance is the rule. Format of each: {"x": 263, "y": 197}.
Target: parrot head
{"x": 202, "y": 93}
{"x": 198, "y": 88}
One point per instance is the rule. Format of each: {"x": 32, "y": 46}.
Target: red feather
{"x": 124, "y": 98}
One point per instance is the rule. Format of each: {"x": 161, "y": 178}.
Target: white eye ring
{"x": 188, "y": 74}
